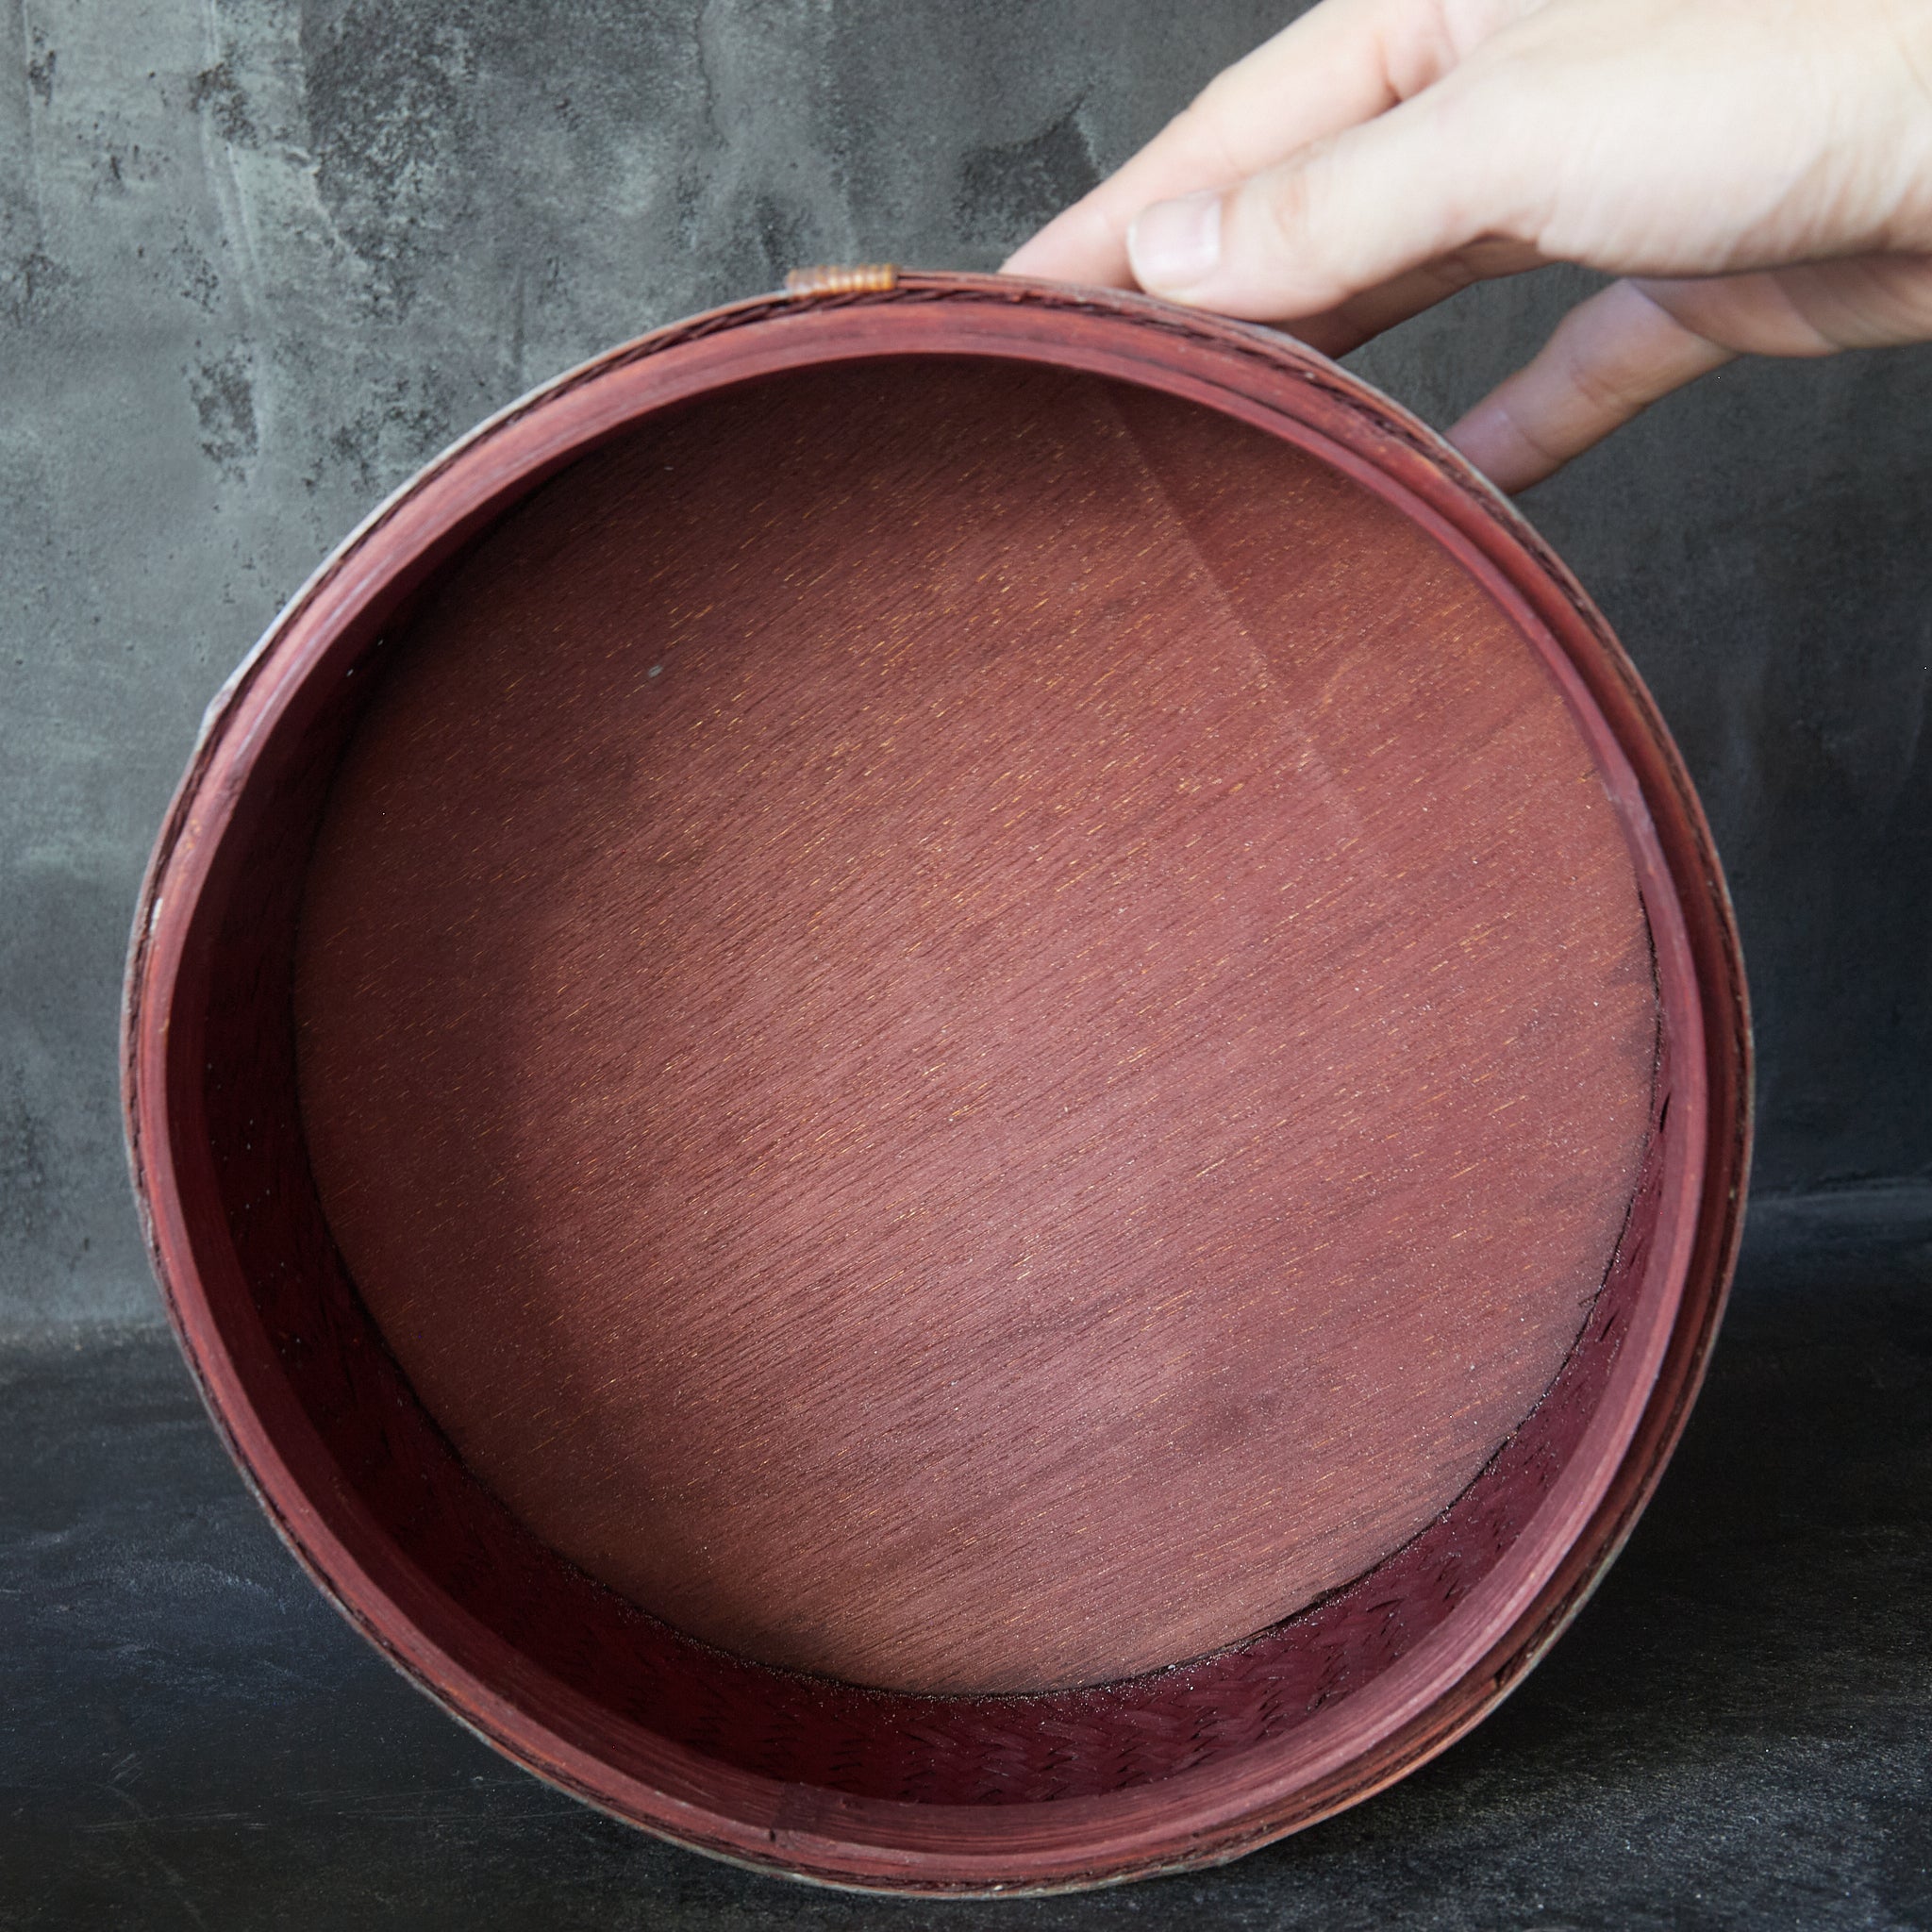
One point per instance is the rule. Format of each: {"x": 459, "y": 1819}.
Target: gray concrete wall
{"x": 260, "y": 260}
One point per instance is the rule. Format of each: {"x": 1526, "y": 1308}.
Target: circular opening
{"x": 971, "y": 1028}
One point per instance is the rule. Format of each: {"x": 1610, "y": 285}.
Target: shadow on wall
{"x": 1765, "y": 547}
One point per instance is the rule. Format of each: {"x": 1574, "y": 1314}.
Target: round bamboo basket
{"x": 946, "y": 1082}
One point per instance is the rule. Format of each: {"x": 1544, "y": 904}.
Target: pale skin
{"x": 1758, "y": 172}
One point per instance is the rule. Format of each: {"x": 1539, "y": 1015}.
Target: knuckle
{"x": 1279, "y": 212}
{"x": 1605, "y": 385}
{"x": 1199, "y": 131}
{"x": 1539, "y": 448}
{"x": 1280, "y": 230}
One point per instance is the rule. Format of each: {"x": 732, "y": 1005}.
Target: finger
{"x": 1616, "y": 354}
{"x": 1609, "y": 359}
{"x": 1810, "y": 308}
{"x": 1363, "y": 317}
{"x": 1343, "y": 217}
{"x": 1341, "y": 63}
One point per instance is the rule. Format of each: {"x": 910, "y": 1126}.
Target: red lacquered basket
{"x": 946, "y": 1081}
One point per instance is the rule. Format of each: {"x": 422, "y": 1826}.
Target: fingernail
{"x": 1176, "y": 243}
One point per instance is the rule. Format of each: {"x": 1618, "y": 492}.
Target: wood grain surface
{"x": 970, "y": 1028}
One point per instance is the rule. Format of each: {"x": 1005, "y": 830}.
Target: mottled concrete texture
{"x": 260, "y": 260}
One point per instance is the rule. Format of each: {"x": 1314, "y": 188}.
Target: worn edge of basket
{"x": 1693, "y": 874}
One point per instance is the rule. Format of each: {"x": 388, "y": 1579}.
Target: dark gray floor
{"x": 1737, "y": 1732}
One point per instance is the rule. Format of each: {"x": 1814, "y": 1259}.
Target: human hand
{"x": 1759, "y": 171}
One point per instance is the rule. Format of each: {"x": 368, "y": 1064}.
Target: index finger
{"x": 1342, "y": 62}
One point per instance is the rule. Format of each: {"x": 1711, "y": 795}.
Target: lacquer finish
{"x": 1419, "y": 650}
{"x": 971, "y": 1029}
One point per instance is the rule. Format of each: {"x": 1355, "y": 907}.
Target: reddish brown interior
{"x": 1237, "y": 499}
